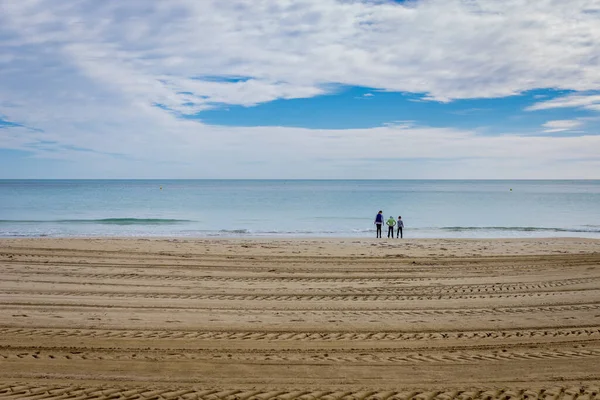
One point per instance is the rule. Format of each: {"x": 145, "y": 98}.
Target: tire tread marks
{"x": 423, "y": 290}
{"x": 43, "y": 392}
{"x": 281, "y": 297}
{"x": 560, "y": 332}
{"x": 308, "y": 357}
{"x": 585, "y": 332}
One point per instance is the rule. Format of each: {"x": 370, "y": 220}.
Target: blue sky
{"x": 358, "y": 107}
{"x": 449, "y": 89}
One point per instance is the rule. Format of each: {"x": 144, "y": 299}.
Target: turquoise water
{"x": 338, "y": 208}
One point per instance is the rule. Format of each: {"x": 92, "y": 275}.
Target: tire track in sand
{"x": 42, "y": 392}
{"x": 501, "y": 327}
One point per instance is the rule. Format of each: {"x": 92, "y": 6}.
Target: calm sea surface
{"x": 336, "y": 208}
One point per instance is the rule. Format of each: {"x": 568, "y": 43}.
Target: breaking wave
{"x": 105, "y": 221}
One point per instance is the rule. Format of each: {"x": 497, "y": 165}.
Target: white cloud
{"x": 86, "y": 75}
{"x": 296, "y": 48}
{"x": 562, "y": 125}
{"x": 163, "y": 146}
{"x": 588, "y": 102}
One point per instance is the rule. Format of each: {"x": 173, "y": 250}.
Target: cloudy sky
{"x": 452, "y": 89}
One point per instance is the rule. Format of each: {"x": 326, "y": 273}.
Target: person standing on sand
{"x": 378, "y": 222}
{"x": 390, "y": 223}
{"x": 400, "y": 226}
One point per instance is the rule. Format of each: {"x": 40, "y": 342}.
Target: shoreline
{"x": 341, "y": 246}
{"x": 413, "y": 233}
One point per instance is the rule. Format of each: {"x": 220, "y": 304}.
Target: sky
{"x": 303, "y": 89}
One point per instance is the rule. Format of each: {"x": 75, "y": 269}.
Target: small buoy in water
{"x": 510, "y": 189}
{"x": 161, "y": 188}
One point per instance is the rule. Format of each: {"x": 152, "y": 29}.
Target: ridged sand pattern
{"x": 301, "y": 319}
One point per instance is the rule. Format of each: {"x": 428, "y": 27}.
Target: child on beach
{"x": 390, "y": 223}
{"x": 400, "y": 226}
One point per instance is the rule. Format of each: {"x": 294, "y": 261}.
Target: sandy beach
{"x": 301, "y": 318}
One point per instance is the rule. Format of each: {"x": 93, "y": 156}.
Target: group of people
{"x": 391, "y": 222}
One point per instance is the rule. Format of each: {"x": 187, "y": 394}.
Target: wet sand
{"x": 302, "y": 318}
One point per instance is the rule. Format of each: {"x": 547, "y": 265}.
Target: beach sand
{"x": 302, "y": 318}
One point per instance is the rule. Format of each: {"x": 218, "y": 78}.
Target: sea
{"x": 299, "y": 208}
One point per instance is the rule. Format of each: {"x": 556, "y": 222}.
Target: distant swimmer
{"x": 378, "y": 222}
{"x": 400, "y": 224}
{"x": 390, "y": 223}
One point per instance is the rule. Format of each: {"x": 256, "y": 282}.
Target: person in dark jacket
{"x": 378, "y": 222}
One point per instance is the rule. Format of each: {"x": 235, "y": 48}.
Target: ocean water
{"x": 291, "y": 208}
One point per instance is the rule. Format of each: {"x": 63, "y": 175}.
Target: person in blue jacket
{"x": 378, "y": 222}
